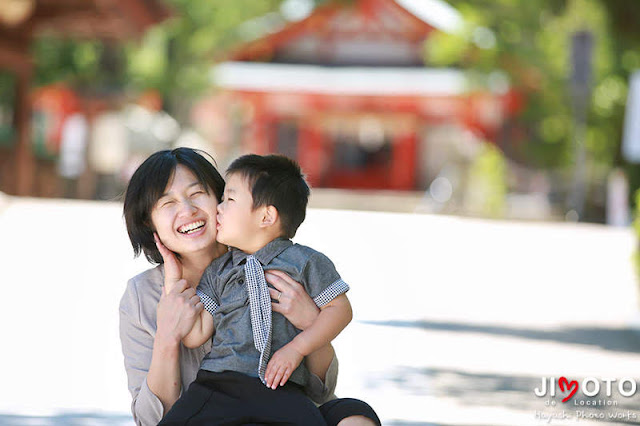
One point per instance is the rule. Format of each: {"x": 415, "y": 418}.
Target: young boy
{"x": 265, "y": 201}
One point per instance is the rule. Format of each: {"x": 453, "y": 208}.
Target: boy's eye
{"x": 197, "y": 193}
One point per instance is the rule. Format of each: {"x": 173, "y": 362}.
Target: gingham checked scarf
{"x": 260, "y": 304}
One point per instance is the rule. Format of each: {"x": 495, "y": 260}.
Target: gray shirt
{"x": 224, "y": 293}
{"x": 137, "y": 333}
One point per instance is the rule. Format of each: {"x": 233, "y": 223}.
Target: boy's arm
{"x": 333, "y": 318}
{"x": 202, "y": 331}
{"x": 203, "y": 327}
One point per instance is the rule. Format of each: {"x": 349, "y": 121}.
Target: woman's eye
{"x": 167, "y": 203}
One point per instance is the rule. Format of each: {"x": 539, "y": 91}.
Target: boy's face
{"x": 238, "y": 223}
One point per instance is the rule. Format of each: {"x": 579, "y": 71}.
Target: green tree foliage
{"x": 636, "y": 230}
{"x": 173, "y": 57}
{"x": 7, "y": 99}
{"x": 530, "y": 41}
{"x": 76, "y": 62}
{"x": 487, "y": 187}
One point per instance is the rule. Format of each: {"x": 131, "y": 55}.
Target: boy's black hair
{"x": 149, "y": 182}
{"x": 275, "y": 180}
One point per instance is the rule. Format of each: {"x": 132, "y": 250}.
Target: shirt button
{"x": 241, "y": 281}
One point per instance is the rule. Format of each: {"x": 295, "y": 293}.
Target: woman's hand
{"x": 172, "y": 266}
{"x": 179, "y": 306}
{"x": 177, "y": 311}
{"x": 291, "y": 300}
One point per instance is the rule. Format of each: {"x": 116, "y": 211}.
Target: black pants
{"x": 231, "y": 398}
{"x": 339, "y": 409}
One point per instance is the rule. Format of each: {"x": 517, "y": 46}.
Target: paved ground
{"x": 456, "y": 320}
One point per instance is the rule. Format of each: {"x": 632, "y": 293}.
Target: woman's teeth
{"x": 191, "y": 227}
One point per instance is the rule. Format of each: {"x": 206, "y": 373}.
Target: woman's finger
{"x": 189, "y": 292}
{"x": 172, "y": 266}
{"x": 179, "y": 287}
{"x": 277, "y": 307}
{"x": 288, "y": 281}
{"x": 164, "y": 251}
{"x": 275, "y": 279}
{"x": 276, "y": 295}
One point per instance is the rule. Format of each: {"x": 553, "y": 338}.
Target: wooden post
{"x": 311, "y": 155}
{"x": 14, "y": 57}
{"x": 403, "y": 167}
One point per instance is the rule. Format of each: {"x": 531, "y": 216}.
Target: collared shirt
{"x": 224, "y": 293}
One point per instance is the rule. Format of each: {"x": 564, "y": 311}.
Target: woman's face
{"x": 185, "y": 215}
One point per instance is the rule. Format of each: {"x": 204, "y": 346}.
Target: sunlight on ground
{"x": 456, "y": 320}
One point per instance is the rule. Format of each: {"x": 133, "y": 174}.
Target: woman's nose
{"x": 186, "y": 207}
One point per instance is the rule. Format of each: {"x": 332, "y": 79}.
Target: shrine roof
{"x": 270, "y": 77}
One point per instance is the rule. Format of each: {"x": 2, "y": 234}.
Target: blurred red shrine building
{"x": 346, "y": 93}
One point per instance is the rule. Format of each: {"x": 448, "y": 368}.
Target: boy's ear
{"x": 269, "y": 216}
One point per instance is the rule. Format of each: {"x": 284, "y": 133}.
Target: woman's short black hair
{"x": 147, "y": 186}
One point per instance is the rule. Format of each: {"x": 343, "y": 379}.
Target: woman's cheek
{"x": 163, "y": 222}
{"x": 215, "y": 208}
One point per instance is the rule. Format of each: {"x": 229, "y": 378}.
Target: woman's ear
{"x": 269, "y": 216}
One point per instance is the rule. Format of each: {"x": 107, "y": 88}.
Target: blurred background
{"x": 497, "y": 109}
{"x": 492, "y": 142}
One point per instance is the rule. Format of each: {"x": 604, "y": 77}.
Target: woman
{"x": 174, "y": 194}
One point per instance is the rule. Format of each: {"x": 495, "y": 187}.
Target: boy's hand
{"x": 281, "y": 365}
{"x": 172, "y": 266}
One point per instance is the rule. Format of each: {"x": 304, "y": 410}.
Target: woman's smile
{"x": 192, "y": 228}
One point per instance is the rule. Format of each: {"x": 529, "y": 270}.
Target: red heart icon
{"x": 564, "y": 382}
